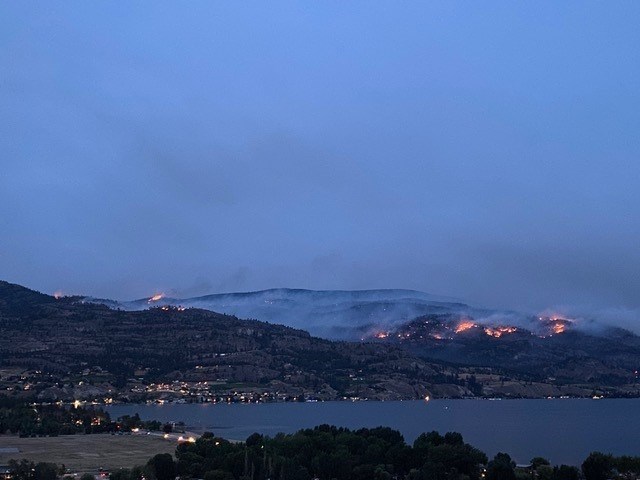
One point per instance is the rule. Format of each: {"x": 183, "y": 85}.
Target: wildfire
{"x": 497, "y": 332}
{"x": 464, "y": 326}
{"x": 156, "y": 297}
{"x": 58, "y": 294}
{"x": 554, "y": 324}
{"x": 381, "y": 335}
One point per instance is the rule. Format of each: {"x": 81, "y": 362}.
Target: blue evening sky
{"x": 488, "y": 151}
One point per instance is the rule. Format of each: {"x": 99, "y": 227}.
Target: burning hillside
{"x": 156, "y": 298}
{"x": 451, "y": 327}
{"x": 553, "y": 325}
{"x": 445, "y": 327}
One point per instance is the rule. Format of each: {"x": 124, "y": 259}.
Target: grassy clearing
{"x": 87, "y": 453}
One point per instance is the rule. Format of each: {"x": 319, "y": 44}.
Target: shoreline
{"x": 90, "y": 403}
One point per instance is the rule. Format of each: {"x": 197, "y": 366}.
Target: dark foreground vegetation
{"x": 328, "y": 452}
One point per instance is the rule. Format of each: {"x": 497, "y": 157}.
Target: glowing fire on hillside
{"x": 58, "y": 294}
{"x": 464, "y": 326}
{"x": 555, "y": 324}
{"x": 156, "y": 297}
{"x": 497, "y": 332}
{"x": 381, "y": 335}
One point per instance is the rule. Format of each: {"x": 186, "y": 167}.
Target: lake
{"x": 562, "y": 430}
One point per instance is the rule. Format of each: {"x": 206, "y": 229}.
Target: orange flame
{"x": 497, "y": 332}
{"x": 156, "y": 297}
{"x": 558, "y": 327}
{"x": 381, "y": 335}
{"x": 464, "y": 326}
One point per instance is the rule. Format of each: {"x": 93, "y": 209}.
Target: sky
{"x": 485, "y": 151}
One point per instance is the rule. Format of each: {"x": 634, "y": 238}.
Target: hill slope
{"x": 332, "y": 314}
{"x": 75, "y": 344}
{"x": 68, "y": 348}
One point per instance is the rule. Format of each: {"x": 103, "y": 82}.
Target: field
{"x": 87, "y": 453}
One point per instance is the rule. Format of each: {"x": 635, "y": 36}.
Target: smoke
{"x": 339, "y": 314}
{"x": 352, "y": 315}
{"x": 597, "y": 319}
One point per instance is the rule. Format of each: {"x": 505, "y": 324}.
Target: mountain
{"x": 541, "y": 347}
{"x": 74, "y": 347}
{"x": 441, "y": 329}
{"x": 67, "y": 348}
{"x": 332, "y": 314}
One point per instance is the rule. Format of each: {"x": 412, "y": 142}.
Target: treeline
{"x": 328, "y": 452}
{"x": 325, "y": 452}
{"x": 19, "y": 417}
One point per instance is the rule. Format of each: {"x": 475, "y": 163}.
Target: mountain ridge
{"x": 68, "y": 347}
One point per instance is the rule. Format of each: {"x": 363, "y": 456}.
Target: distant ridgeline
{"x": 68, "y": 348}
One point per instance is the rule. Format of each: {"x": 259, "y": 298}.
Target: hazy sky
{"x": 487, "y": 151}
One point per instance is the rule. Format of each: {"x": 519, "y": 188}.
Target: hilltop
{"x": 68, "y": 348}
{"x": 85, "y": 349}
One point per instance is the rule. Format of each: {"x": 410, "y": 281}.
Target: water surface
{"x": 564, "y": 431}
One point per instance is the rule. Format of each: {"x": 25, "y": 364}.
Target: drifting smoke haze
{"x": 330, "y": 314}
{"x": 426, "y": 146}
{"x": 365, "y": 314}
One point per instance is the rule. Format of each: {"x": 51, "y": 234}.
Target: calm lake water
{"x": 564, "y": 431}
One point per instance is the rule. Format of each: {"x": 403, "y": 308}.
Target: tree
{"x": 537, "y": 461}
{"x": 501, "y": 468}
{"x": 254, "y": 439}
{"x": 162, "y": 467}
{"x": 21, "y": 470}
{"x": 122, "y": 474}
{"x": 545, "y": 472}
{"x": 597, "y": 466}
{"x": 566, "y": 472}
{"x": 45, "y": 471}
{"x": 218, "y": 475}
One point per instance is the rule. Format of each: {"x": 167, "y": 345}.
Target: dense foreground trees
{"x": 328, "y": 452}
{"x": 324, "y": 452}
{"x": 25, "y": 470}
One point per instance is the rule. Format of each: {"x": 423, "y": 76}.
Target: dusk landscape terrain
{"x": 318, "y": 241}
